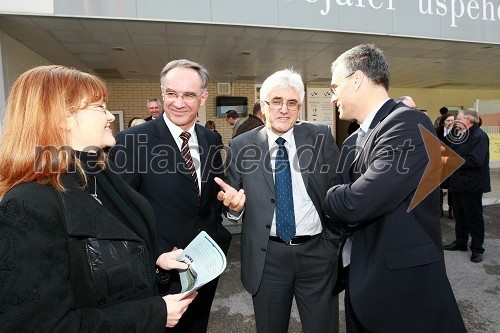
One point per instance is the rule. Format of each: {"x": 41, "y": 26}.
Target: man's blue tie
{"x": 285, "y": 216}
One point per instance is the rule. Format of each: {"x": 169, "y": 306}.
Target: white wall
{"x": 15, "y": 59}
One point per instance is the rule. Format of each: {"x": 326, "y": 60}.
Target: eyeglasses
{"x": 98, "y": 107}
{"x": 188, "y": 97}
{"x": 334, "y": 88}
{"x": 277, "y": 104}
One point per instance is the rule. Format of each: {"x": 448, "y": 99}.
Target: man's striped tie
{"x": 186, "y": 154}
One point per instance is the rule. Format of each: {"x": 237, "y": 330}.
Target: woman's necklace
{"x": 95, "y": 192}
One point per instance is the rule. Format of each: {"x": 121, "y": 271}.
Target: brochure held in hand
{"x": 205, "y": 261}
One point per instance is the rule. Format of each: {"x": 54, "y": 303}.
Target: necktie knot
{"x": 185, "y": 136}
{"x": 280, "y": 141}
{"x": 359, "y": 139}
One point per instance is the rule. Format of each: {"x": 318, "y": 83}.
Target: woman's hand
{"x": 168, "y": 260}
{"x": 175, "y": 308}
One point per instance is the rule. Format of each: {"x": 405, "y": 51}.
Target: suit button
{"x": 273, "y": 201}
{"x": 268, "y": 226}
{"x": 263, "y": 249}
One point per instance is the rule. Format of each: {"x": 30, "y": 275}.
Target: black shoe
{"x": 455, "y": 247}
{"x": 476, "y": 257}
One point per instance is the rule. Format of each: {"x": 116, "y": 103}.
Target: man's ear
{"x": 203, "y": 98}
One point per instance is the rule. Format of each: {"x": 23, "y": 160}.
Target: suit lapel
{"x": 382, "y": 113}
{"x": 265, "y": 166}
{"x": 164, "y": 135}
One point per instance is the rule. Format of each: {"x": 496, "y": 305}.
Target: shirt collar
{"x": 288, "y": 136}
{"x": 365, "y": 125}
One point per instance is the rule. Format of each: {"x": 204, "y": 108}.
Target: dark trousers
{"x": 195, "y": 319}
{"x": 306, "y": 271}
{"x": 468, "y": 210}
{"x": 353, "y": 325}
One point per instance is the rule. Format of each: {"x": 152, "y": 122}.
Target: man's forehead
{"x": 281, "y": 92}
{"x": 337, "y": 72}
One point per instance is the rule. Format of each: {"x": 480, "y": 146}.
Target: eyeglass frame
{"x": 183, "y": 95}
{"x": 102, "y": 106}
{"x": 332, "y": 89}
{"x": 283, "y": 103}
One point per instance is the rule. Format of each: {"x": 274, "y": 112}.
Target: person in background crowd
{"x": 256, "y": 119}
{"x": 136, "y": 121}
{"x": 210, "y": 124}
{"x": 233, "y": 119}
{"x": 442, "y": 111}
{"x": 78, "y": 244}
{"x": 468, "y": 183}
{"x": 154, "y": 107}
{"x": 392, "y": 255}
{"x": 406, "y": 100}
{"x": 179, "y": 184}
{"x": 444, "y": 133}
{"x": 287, "y": 249}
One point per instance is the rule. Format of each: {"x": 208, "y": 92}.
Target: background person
{"x": 210, "y": 124}
{"x": 154, "y": 107}
{"x": 287, "y": 249}
{"x": 406, "y": 100}
{"x": 256, "y": 119}
{"x": 442, "y": 112}
{"x": 233, "y": 119}
{"x": 444, "y": 133}
{"x": 136, "y": 121}
{"x": 392, "y": 257}
{"x": 79, "y": 246}
{"x": 468, "y": 183}
{"x": 172, "y": 162}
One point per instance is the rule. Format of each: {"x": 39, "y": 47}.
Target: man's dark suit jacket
{"x": 397, "y": 277}
{"x": 148, "y": 118}
{"x": 150, "y": 161}
{"x": 250, "y": 169}
{"x": 474, "y": 175}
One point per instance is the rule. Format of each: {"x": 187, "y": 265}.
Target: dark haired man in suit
{"x": 392, "y": 256}
{"x": 173, "y": 161}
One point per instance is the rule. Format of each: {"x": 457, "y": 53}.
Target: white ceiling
{"x": 88, "y": 44}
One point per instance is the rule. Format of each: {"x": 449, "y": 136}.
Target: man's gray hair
{"x": 402, "y": 98}
{"x": 184, "y": 63}
{"x": 284, "y": 79}
{"x": 470, "y": 114}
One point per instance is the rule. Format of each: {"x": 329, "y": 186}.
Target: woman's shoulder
{"x": 31, "y": 196}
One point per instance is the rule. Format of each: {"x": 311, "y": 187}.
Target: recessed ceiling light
{"x": 245, "y": 53}
{"x": 118, "y": 49}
